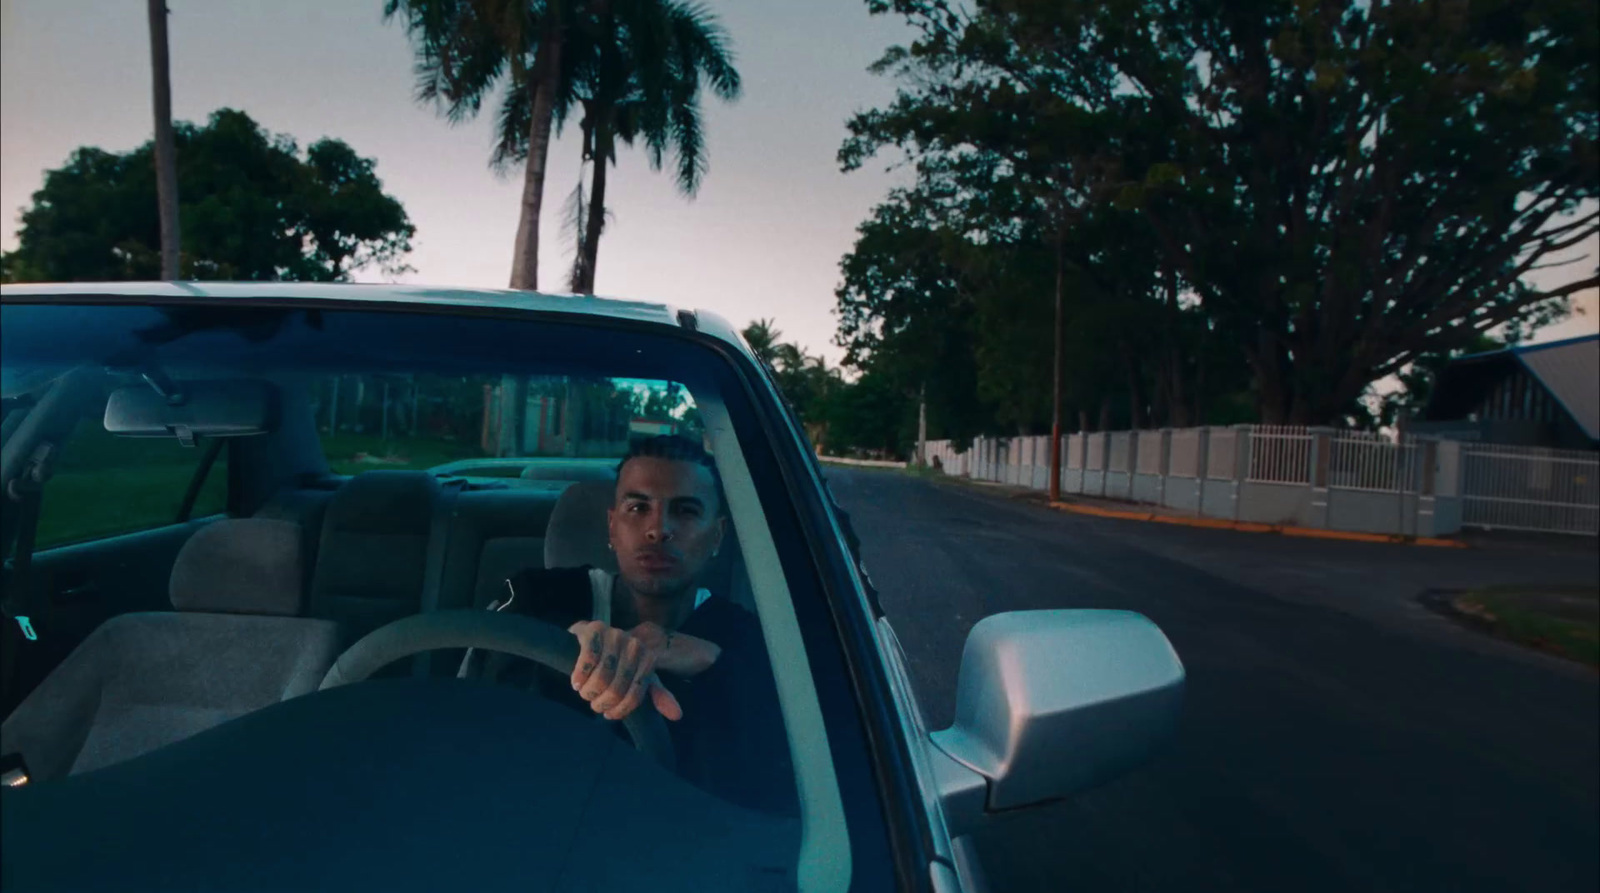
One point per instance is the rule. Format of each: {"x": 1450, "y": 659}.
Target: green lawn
{"x": 86, "y": 504}
{"x": 1564, "y": 621}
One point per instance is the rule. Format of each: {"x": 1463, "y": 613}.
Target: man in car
{"x": 652, "y": 632}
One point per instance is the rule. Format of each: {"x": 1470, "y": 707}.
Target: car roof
{"x": 445, "y": 299}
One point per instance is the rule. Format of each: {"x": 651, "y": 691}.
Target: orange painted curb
{"x": 1255, "y": 527}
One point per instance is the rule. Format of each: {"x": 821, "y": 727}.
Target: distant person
{"x": 653, "y": 632}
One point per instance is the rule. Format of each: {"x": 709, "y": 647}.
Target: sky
{"x": 762, "y": 239}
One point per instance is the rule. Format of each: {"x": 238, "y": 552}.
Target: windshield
{"x": 337, "y": 471}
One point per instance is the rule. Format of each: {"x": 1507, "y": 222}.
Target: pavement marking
{"x": 1256, "y": 527}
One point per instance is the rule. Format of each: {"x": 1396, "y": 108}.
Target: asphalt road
{"x": 1336, "y": 736}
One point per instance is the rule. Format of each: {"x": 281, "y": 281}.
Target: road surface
{"x": 1336, "y": 735}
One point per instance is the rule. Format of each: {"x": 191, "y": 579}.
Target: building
{"x": 1544, "y": 395}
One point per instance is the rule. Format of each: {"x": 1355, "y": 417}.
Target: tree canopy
{"x": 632, "y": 69}
{"x": 253, "y": 207}
{"x": 1329, "y": 191}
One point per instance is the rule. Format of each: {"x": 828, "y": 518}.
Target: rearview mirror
{"x": 222, "y": 408}
{"x": 1051, "y": 703}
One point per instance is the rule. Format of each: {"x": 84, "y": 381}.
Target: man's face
{"x": 665, "y": 524}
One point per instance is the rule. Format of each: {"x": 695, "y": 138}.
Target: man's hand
{"x": 616, "y": 668}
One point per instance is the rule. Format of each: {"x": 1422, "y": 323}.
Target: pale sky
{"x": 762, "y": 239}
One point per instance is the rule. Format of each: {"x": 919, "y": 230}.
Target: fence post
{"x": 1105, "y": 461}
{"x": 1133, "y": 462}
{"x": 1424, "y": 524}
{"x": 1202, "y": 452}
{"x": 1241, "y": 465}
{"x": 1164, "y": 466}
{"x": 1061, "y": 472}
{"x": 1083, "y": 461}
{"x": 1321, "y": 459}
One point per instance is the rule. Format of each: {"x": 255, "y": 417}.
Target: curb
{"x": 1254, "y": 527}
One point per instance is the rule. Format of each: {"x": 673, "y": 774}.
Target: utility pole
{"x": 1055, "y": 378}
{"x": 166, "y": 159}
{"x": 922, "y": 426}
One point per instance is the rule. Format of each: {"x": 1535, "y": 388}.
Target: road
{"x": 1336, "y": 736}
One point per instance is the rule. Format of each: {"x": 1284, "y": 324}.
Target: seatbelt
{"x": 467, "y": 670}
{"x": 20, "y": 602}
{"x": 433, "y": 566}
{"x": 20, "y": 598}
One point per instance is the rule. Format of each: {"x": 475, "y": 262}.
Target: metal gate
{"x": 1530, "y": 488}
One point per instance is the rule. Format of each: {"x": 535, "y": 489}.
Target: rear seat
{"x": 374, "y": 534}
{"x": 372, "y": 551}
{"x": 492, "y": 535}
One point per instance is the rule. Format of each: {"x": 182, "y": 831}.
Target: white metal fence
{"x": 1280, "y": 454}
{"x": 1528, "y": 488}
{"x": 1362, "y": 461}
{"x": 1317, "y": 477}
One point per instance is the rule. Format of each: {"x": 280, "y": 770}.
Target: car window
{"x": 514, "y": 412}
{"x": 470, "y": 426}
{"x": 104, "y": 485}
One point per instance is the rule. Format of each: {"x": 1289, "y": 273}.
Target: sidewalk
{"x": 1100, "y": 507}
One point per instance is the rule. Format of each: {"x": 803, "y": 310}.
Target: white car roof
{"x": 433, "y": 296}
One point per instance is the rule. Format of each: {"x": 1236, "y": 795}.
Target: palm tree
{"x": 166, "y": 160}
{"x": 640, "y": 79}
{"x": 466, "y": 51}
{"x": 762, "y": 336}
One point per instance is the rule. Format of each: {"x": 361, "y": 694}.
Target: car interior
{"x": 175, "y": 644}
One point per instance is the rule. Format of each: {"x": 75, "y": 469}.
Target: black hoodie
{"x": 731, "y": 739}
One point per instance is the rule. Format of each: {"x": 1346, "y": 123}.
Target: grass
{"x": 1560, "y": 620}
{"x": 86, "y": 504}
{"x": 104, "y": 485}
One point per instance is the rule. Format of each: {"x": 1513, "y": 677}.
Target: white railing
{"x": 1280, "y": 454}
{"x": 1367, "y": 463}
{"x": 1530, "y": 488}
{"x": 1318, "y": 477}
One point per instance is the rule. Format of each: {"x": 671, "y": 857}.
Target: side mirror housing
{"x": 1051, "y": 703}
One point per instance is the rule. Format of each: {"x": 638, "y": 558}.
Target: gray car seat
{"x": 577, "y": 534}
{"x": 372, "y": 560}
{"x": 144, "y": 680}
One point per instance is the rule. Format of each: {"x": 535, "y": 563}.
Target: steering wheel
{"x": 513, "y": 634}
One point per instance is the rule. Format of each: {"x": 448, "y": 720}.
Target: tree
{"x": 906, "y": 318}
{"x": 253, "y": 208}
{"x": 762, "y": 336}
{"x": 1342, "y": 186}
{"x": 639, "y": 78}
{"x": 166, "y": 166}
{"x": 466, "y": 50}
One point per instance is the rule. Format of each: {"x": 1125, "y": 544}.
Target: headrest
{"x": 577, "y": 534}
{"x": 385, "y": 502}
{"x": 240, "y": 566}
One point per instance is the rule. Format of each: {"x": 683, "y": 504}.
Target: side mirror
{"x": 1051, "y": 703}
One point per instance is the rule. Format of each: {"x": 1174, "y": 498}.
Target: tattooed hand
{"x": 616, "y": 668}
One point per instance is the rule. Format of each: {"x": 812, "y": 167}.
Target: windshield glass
{"x": 337, "y": 471}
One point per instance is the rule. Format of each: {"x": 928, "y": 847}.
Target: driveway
{"x": 1336, "y": 735}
